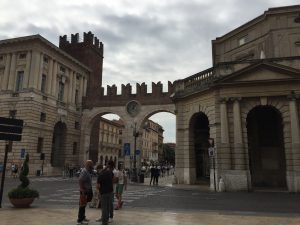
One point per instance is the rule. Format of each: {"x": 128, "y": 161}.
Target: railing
{"x": 201, "y": 79}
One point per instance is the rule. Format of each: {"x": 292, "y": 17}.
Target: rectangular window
{"x": 243, "y": 40}
{"x": 76, "y": 96}
{"x": 74, "y": 148}
{"x": 62, "y": 69}
{"x": 40, "y": 145}
{"x": 45, "y": 59}
{"x": 1, "y": 57}
{"x": 77, "y": 125}
{"x": 19, "y": 82}
{"x": 43, "y": 84}
{"x": 43, "y": 117}
{"x": 12, "y": 114}
{"x": 22, "y": 56}
{"x": 61, "y": 91}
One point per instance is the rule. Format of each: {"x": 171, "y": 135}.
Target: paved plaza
{"x": 149, "y": 205}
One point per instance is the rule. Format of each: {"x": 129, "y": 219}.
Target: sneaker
{"x": 82, "y": 223}
{"x": 86, "y": 220}
{"x": 99, "y": 220}
{"x": 110, "y": 220}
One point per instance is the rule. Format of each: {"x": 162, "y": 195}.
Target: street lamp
{"x": 134, "y": 174}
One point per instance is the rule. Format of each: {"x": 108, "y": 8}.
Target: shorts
{"x": 119, "y": 188}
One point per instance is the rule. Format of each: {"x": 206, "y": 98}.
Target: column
{"x": 224, "y": 154}
{"x": 74, "y": 87}
{"x": 49, "y": 76}
{"x": 84, "y": 86}
{"x": 40, "y": 71}
{"x": 27, "y": 69}
{"x": 80, "y": 89}
{"x": 34, "y": 67}
{"x": 12, "y": 72}
{"x": 6, "y": 72}
{"x": 70, "y": 86}
{"x": 239, "y": 154}
{"x": 54, "y": 79}
{"x": 295, "y": 132}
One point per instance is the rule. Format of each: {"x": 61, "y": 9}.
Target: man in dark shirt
{"x": 105, "y": 185}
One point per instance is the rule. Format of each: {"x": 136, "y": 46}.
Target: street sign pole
{"x": 10, "y": 130}
{"x": 3, "y": 176}
{"x": 214, "y": 166}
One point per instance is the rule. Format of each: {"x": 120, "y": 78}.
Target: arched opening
{"x": 266, "y": 147}
{"x": 58, "y": 145}
{"x": 105, "y": 137}
{"x": 199, "y": 129}
{"x": 157, "y": 139}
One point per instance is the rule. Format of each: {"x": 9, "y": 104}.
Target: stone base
{"x": 236, "y": 180}
{"x": 185, "y": 175}
{"x": 293, "y": 181}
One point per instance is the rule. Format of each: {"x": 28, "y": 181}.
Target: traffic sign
{"x": 126, "y": 148}
{"x": 211, "y": 152}
{"x": 137, "y": 152}
{"x": 23, "y": 152}
{"x": 11, "y": 129}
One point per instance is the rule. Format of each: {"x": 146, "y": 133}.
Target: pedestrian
{"x": 105, "y": 186}
{"x": 156, "y": 174}
{"x": 96, "y": 201}
{"x": 152, "y": 172}
{"x": 115, "y": 181}
{"x": 86, "y": 191}
{"x": 121, "y": 185}
{"x": 14, "y": 170}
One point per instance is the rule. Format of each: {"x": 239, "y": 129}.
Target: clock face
{"x": 133, "y": 108}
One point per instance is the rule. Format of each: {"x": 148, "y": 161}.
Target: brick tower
{"x": 90, "y": 53}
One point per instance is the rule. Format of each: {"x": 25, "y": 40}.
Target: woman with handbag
{"x": 86, "y": 191}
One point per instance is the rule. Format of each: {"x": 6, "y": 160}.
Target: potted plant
{"x": 23, "y": 196}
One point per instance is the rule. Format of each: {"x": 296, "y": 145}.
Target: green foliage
{"x": 22, "y": 191}
{"x": 168, "y": 153}
{"x": 24, "y": 173}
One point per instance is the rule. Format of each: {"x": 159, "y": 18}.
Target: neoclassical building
{"x": 248, "y": 102}
{"x": 44, "y": 86}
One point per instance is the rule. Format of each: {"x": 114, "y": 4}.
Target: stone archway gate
{"x": 134, "y": 109}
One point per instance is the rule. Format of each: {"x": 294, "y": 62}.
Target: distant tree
{"x": 168, "y": 153}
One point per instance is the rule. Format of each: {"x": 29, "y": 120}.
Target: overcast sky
{"x": 144, "y": 40}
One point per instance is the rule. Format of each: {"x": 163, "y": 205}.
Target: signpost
{"x": 10, "y": 130}
{"x": 211, "y": 154}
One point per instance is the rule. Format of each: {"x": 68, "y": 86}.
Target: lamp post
{"x": 134, "y": 172}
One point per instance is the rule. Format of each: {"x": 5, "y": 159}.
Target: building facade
{"x": 110, "y": 141}
{"x": 44, "y": 86}
{"x": 152, "y": 139}
{"x": 248, "y": 103}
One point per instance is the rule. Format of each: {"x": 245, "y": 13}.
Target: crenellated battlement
{"x": 88, "y": 40}
{"x": 112, "y": 98}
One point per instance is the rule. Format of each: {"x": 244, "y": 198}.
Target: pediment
{"x": 262, "y": 72}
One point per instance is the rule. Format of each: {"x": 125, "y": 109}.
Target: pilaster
{"x": 12, "y": 72}
{"x": 6, "y": 72}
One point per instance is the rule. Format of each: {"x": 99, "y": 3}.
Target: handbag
{"x": 89, "y": 195}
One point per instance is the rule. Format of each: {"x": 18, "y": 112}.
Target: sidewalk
{"x": 48, "y": 216}
{"x": 168, "y": 182}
